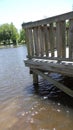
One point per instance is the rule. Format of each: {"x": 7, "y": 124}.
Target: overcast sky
{"x": 19, "y": 11}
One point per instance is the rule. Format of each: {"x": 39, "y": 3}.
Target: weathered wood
{"x": 57, "y": 18}
{"x": 49, "y": 38}
{"x": 64, "y": 69}
{"x": 71, "y": 39}
{"x": 41, "y": 34}
{"x": 52, "y": 58}
{"x": 54, "y": 28}
{"x": 35, "y": 33}
{"x": 31, "y": 42}
{"x": 35, "y": 78}
{"x": 28, "y": 44}
{"x": 46, "y": 40}
{"x": 60, "y": 39}
{"x": 57, "y": 84}
{"x": 67, "y": 36}
{"x": 52, "y": 41}
{"x": 39, "y": 41}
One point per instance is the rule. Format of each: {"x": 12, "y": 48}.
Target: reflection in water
{"x": 27, "y": 107}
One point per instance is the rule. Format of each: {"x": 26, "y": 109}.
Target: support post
{"x": 35, "y": 78}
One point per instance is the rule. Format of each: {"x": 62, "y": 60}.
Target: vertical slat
{"x": 27, "y": 41}
{"x": 60, "y": 38}
{"x": 55, "y": 37}
{"x": 41, "y": 35}
{"x": 71, "y": 39}
{"x": 31, "y": 42}
{"x": 49, "y": 38}
{"x": 67, "y": 36}
{"x": 52, "y": 39}
{"x": 63, "y": 29}
{"x": 46, "y": 40}
{"x": 35, "y": 33}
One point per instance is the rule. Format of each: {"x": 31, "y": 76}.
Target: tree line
{"x": 10, "y": 35}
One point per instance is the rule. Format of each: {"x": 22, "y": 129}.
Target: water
{"x": 25, "y": 107}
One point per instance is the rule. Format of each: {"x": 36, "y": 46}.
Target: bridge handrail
{"x": 50, "y": 38}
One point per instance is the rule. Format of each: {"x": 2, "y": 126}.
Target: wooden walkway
{"x": 50, "y": 48}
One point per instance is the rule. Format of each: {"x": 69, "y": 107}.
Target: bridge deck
{"x": 65, "y": 68}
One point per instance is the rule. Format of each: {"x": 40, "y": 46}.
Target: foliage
{"x": 14, "y": 34}
{"x": 8, "y": 34}
{"x": 22, "y": 36}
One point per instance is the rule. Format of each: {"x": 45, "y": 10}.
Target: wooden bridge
{"x": 50, "y": 48}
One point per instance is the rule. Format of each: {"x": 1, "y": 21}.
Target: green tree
{"x": 5, "y": 34}
{"x": 8, "y": 34}
{"x": 22, "y": 36}
{"x": 14, "y": 34}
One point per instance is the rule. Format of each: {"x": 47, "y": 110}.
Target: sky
{"x": 19, "y": 11}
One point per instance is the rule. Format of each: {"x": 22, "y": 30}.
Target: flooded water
{"x": 26, "y": 107}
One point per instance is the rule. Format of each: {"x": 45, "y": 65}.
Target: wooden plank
{"x": 41, "y": 34}
{"x": 55, "y": 37}
{"x": 53, "y": 67}
{"x": 31, "y": 42}
{"x": 35, "y": 34}
{"x": 46, "y": 40}
{"x": 57, "y": 84}
{"x": 60, "y": 39}
{"x": 52, "y": 40}
{"x": 39, "y": 41}
{"x": 52, "y": 58}
{"x": 27, "y": 40}
{"x": 35, "y": 78}
{"x": 57, "y": 18}
{"x": 71, "y": 39}
{"x": 67, "y": 36}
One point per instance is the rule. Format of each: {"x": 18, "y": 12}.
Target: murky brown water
{"x": 22, "y": 107}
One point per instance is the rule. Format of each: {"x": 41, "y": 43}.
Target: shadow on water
{"x": 47, "y": 90}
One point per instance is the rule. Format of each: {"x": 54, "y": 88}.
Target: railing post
{"x": 41, "y": 39}
{"x": 35, "y": 33}
{"x": 27, "y": 41}
{"x": 60, "y": 38}
{"x": 52, "y": 39}
{"x": 46, "y": 40}
{"x": 71, "y": 39}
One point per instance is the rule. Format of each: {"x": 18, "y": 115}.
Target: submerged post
{"x": 35, "y": 78}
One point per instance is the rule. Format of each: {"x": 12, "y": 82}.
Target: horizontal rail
{"x": 57, "y": 18}
{"x": 51, "y": 58}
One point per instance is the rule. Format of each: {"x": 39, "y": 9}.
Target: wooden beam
{"x": 28, "y": 44}
{"x": 35, "y": 78}
{"x": 31, "y": 42}
{"x": 57, "y": 84}
{"x": 41, "y": 34}
{"x": 57, "y": 18}
{"x": 60, "y": 39}
{"x": 71, "y": 39}
{"x": 46, "y": 37}
{"x": 51, "y": 58}
{"x": 35, "y": 35}
{"x": 53, "y": 67}
{"x": 52, "y": 39}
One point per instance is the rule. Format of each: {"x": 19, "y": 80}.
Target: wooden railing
{"x": 50, "y": 38}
